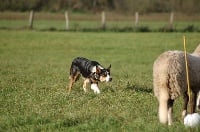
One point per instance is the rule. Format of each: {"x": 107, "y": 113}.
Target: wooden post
{"x": 171, "y": 20}
{"x": 67, "y": 20}
{"x": 31, "y": 17}
{"x": 103, "y": 20}
{"x": 136, "y": 19}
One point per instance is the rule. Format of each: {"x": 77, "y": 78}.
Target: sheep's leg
{"x": 170, "y": 103}
{"x": 186, "y": 99}
{"x": 163, "y": 105}
{"x": 198, "y": 101}
{"x": 194, "y": 100}
{"x": 192, "y": 103}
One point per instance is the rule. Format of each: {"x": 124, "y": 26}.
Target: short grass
{"x": 86, "y": 25}
{"x": 92, "y": 22}
{"x": 34, "y": 70}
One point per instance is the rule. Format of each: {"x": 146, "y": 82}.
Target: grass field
{"x": 34, "y": 69}
{"x": 92, "y": 22}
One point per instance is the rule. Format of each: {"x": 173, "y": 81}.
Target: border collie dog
{"x": 91, "y": 71}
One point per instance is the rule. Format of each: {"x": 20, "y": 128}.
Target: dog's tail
{"x": 163, "y": 108}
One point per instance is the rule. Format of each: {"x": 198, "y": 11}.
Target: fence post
{"x": 103, "y": 20}
{"x": 171, "y": 20}
{"x": 31, "y": 17}
{"x": 67, "y": 20}
{"x": 136, "y": 19}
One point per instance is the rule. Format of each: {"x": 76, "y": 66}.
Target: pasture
{"x": 153, "y": 22}
{"x": 34, "y": 70}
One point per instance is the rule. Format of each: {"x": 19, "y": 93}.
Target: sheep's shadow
{"x": 139, "y": 88}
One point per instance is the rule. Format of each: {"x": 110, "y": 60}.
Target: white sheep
{"x": 169, "y": 81}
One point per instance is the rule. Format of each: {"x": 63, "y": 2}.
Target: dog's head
{"x": 102, "y": 74}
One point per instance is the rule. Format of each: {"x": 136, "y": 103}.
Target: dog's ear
{"x": 98, "y": 70}
{"x": 109, "y": 67}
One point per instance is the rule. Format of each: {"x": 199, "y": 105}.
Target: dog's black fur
{"x": 91, "y": 71}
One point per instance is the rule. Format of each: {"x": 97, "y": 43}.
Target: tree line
{"x": 123, "y": 6}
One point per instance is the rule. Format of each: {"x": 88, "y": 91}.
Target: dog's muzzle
{"x": 108, "y": 79}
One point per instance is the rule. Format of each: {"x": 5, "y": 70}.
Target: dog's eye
{"x": 96, "y": 75}
{"x": 104, "y": 74}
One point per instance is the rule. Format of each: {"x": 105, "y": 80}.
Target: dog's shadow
{"x": 138, "y": 88}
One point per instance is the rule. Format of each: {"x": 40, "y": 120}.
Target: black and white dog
{"x": 91, "y": 71}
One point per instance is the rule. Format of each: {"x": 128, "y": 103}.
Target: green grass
{"x": 34, "y": 69}
{"x": 154, "y": 22}
{"x": 86, "y": 25}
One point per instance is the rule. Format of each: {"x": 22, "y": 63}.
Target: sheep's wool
{"x": 192, "y": 120}
{"x": 169, "y": 82}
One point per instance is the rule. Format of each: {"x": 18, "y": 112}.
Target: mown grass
{"x": 94, "y": 26}
{"x": 46, "y": 21}
{"x": 34, "y": 69}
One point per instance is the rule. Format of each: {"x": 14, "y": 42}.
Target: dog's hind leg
{"x": 74, "y": 75}
{"x": 72, "y": 80}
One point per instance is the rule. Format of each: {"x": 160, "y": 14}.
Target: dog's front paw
{"x": 97, "y": 91}
{"x": 95, "y": 88}
{"x": 85, "y": 90}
